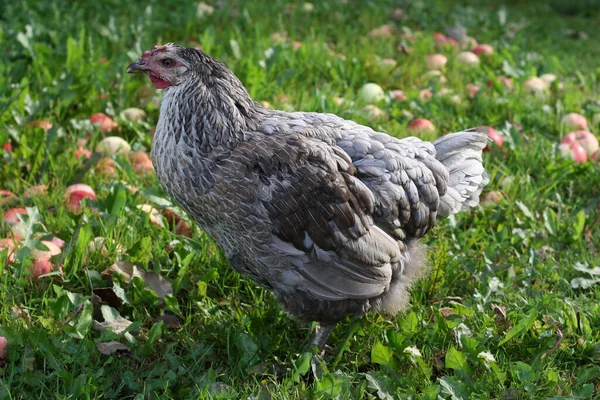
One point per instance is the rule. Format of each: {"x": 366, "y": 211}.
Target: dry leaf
{"x": 118, "y": 325}
{"x": 447, "y": 311}
{"x": 112, "y": 347}
{"x": 153, "y": 281}
{"x": 170, "y": 321}
{"x": 108, "y": 296}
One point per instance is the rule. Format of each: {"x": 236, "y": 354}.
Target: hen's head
{"x": 166, "y": 65}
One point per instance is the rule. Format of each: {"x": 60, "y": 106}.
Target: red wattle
{"x": 158, "y": 83}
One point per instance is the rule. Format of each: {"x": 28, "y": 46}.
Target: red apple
{"x": 103, "y": 121}
{"x": 420, "y": 125}
{"x": 573, "y": 150}
{"x": 399, "y": 95}
{"x": 42, "y": 266}
{"x": 3, "y": 344}
{"x": 439, "y": 38}
{"x": 495, "y": 136}
{"x": 425, "y": 95}
{"x": 76, "y": 193}
{"x": 81, "y": 152}
{"x": 574, "y": 121}
{"x": 11, "y": 216}
{"x": 106, "y": 166}
{"x": 7, "y": 147}
{"x": 473, "y": 90}
{"x": 142, "y": 164}
{"x": 586, "y": 139}
{"x": 484, "y": 49}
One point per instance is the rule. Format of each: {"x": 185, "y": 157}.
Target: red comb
{"x": 155, "y": 49}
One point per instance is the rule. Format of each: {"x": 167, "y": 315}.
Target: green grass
{"x": 502, "y": 275}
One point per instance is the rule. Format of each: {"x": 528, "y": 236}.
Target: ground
{"x": 510, "y": 309}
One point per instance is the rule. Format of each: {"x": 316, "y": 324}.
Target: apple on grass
{"x": 420, "y": 125}
{"x": 585, "y": 139}
{"x": 574, "y": 121}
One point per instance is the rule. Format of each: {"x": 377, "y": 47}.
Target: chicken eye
{"x": 168, "y": 62}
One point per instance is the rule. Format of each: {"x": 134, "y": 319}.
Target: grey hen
{"x": 322, "y": 211}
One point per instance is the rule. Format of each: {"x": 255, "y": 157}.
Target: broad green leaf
{"x": 455, "y": 359}
{"x": 521, "y": 327}
{"x": 381, "y": 354}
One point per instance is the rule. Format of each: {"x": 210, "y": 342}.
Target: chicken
{"x": 322, "y": 211}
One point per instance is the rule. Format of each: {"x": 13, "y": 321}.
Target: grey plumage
{"x": 324, "y": 212}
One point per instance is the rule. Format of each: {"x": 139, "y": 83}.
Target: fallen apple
{"x": 42, "y": 266}
{"x": 133, "y": 114}
{"x": 467, "y": 58}
{"x": 425, "y": 95}
{"x": 483, "y": 49}
{"x": 104, "y": 122}
{"x": 536, "y": 85}
{"x": 371, "y": 93}
{"x": 11, "y": 216}
{"x": 76, "y": 193}
{"x": 574, "y": 121}
{"x": 3, "y": 344}
{"x": 586, "y": 139}
{"x": 574, "y": 151}
{"x": 111, "y": 145}
{"x": 472, "y": 90}
{"x": 436, "y": 61}
{"x": 495, "y": 136}
{"x": 141, "y": 162}
{"x": 81, "y": 152}
{"x": 398, "y": 95}
{"x": 420, "y": 125}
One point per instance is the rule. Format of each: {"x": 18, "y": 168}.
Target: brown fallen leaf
{"x": 118, "y": 325}
{"x": 447, "y": 311}
{"x": 112, "y": 347}
{"x": 170, "y": 321}
{"x": 153, "y": 281}
{"x": 108, "y": 296}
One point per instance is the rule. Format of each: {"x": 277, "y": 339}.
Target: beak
{"x": 137, "y": 67}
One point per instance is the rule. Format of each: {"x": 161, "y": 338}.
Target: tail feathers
{"x": 460, "y": 153}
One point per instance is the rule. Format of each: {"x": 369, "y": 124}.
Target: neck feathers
{"x": 212, "y": 109}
